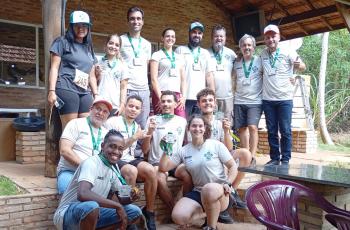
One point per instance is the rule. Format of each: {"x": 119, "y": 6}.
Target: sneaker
{"x": 272, "y": 162}
{"x": 236, "y": 201}
{"x": 253, "y": 162}
{"x": 284, "y": 162}
{"x": 225, "y": 217}
{"x": 208, "y": 228}
{"x": 149, "y": 219}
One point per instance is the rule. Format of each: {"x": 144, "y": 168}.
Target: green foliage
{"x": 337, "y": 76}
{"x": 8, "y": 187}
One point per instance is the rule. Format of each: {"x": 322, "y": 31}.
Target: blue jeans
{"x": 78, "y": 211}
{"x": 278, "y": 116}
{"x": 63, "y": 180}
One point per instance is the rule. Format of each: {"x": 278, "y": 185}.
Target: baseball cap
{"x": 196, "y": 25}
{"x": 104, "y": 101}
{"x": 79, "y": 17}
{"x": 271, "y": 27}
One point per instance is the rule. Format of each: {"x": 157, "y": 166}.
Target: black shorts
{"x": 194, "y": 195}
{"x": 248, "y": 114}
{"x": 74, "y": 102}
{"x": 134, "y": 162}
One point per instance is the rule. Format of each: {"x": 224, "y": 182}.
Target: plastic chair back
{"x": 342, "y": 222}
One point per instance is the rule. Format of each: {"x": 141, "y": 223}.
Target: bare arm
{"x": 154, "y": 77}
{"x": 232, "y": 170}
{"x": 93, "y": 82}
{"x": 146, "y": 143}
{"x": 165, "y": 164}
{"x": 55, "y": 65}
{"x": 123, "y": 91}
{"x": 209, "y": 77}
{"x": 66, "y": 150}
{"x": 85, "y": 194}
{"x": 183, "y": 87}
{"x": 226, "y": 125}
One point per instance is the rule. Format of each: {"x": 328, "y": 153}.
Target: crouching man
{"x": 85, "y": 205}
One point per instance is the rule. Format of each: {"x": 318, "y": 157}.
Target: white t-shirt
{"x": 205, "y": 164}
{"x": 223, "y": 73}
{"x": 138, "y": 74}
{"x": 166, "y": 80}
{"x": 175, "y": 125}
{"x": 92, "y": 170}
{"x": 109, "y": 87}
{"x": 117, "y": 123}
{"x": 78, "y": 132}
{"x": 276, "y": 81}
{"x": 248, "y": 89}
{"x": 195, "y": 74}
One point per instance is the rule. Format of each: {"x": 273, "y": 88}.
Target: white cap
{"x": 271, "y": 27}
{"x": 103, "y": 101}
{"x": 196, "y": 25}
{"x": 79, "y": 17}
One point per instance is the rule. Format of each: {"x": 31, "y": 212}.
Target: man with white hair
{"x": 278, "y": 67}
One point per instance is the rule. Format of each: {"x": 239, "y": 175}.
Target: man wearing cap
{"x": 198, "y": 67}
{"x": 81, "y": 139}
{"x": 223, "y": 58}
{"x": 278, "y": 66}
{"x": 136, "y": 52}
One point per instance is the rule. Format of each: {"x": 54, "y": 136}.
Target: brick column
{"x": 30, "y": 147}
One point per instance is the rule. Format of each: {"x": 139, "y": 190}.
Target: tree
{"x": 321, "y": 91}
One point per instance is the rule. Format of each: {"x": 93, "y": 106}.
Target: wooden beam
{"x": 324, "y": 20}
{"x": 305, "y": 15}
{"x": 51, "y": 12}
{"x": 345, "y": 14}
{"x": 312, "y": 32}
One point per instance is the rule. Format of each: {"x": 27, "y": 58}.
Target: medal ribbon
{"x": 273, "y": 59}
{"x": 195, "y": 56}
{"x": 247, "y": 72}
{"x": 172, "y": 60}
{"x": 218, "y": 55}
{"x": 110, "y": 65}
{"x": 113, "y": 168}
{"x": 136, "y": 52}
{"x": 95, "y": 144}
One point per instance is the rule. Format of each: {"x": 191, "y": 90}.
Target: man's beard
{"x": 194, "y": 43}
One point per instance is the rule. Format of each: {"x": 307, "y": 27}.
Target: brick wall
{"x": 304, "y": 141}
{"x": 27, "y": 211}
{"x": 30, "y": 147}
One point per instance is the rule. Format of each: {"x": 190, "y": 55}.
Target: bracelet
{"x": 228, "y": 183}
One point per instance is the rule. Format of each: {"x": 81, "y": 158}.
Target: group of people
{"x": 109, "y": 141}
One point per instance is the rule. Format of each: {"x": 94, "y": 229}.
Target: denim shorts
{"x": 77, "y": 211}
{"x": 63, "y": 180}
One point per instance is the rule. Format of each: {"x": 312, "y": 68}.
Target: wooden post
{"x": 52, "y": 11}
{"x": 344, "y": 12}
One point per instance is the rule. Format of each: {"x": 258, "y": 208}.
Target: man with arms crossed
{"x": 198, "y": 68}
{"x": 136, "y": 52}
{"x": 278, "y": 66}
{"x": 81, "y": 138}
{"x": 135, "y": 168}
{"x": 223, "y": 58}
{"x": 166, "y": 131}
{"x": 85, "y": 205}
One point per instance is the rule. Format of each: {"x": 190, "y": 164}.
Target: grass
{"x": 335, "y": 148}
{"x": 339, "y": 164}
{"x": 8, "y": 187}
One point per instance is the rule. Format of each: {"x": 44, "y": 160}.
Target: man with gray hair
{"x": 223, "y": 58}
{"x": 247, "y": 73}
{"x": 198, "y": 69}
{"x": 278, "y": 67}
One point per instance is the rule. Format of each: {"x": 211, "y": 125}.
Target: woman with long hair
{"x": 205, "y": 159}
{"x": 111, "y": 73}
{"x": 167, "y": 73}
{"x": 72, "y": 81}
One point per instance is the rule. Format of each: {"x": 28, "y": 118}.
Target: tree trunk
{"x": 51, "y": 12}
{"x": 321, "y": 91}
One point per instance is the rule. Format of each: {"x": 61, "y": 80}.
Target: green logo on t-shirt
{"x": 208, "y": 156}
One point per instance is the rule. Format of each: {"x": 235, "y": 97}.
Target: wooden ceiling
{"x": 296, "y": 18}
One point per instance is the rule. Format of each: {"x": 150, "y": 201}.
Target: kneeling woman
{"x": 204, "y": 159}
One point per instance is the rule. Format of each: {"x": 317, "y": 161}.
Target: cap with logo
{"x": 103, "y": 101}
{"x": 196, "y": 25}
{"x": 79, "y": 17}
{"x": 272, "y": 28}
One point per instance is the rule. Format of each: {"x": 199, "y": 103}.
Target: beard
{"x": 194, "y": 43}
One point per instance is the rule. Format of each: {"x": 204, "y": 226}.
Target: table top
{"x": 305, "y": 172}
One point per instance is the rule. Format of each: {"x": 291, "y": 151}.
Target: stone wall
{"x": 30, "y": 147}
